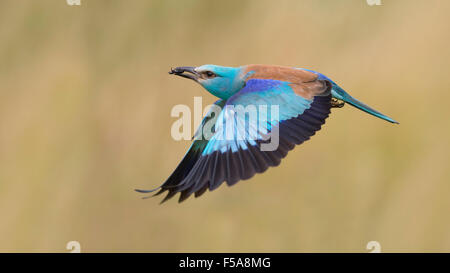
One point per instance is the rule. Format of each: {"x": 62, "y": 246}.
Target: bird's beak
{"x": 185, "y": 72}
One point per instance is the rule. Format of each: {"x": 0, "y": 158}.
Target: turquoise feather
{"x": 233, "y": 152}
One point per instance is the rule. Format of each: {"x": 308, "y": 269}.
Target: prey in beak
{"x": 185, "y": 72}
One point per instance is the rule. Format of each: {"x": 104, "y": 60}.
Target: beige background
{"x": 85, "y": 118}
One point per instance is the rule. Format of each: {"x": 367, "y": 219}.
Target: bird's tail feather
{"x": 339, "y": 93}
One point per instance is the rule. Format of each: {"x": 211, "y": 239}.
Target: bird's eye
{"x": 209, "y": 74}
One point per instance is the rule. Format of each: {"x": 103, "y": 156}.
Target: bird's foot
{"x": 335, "y": 103}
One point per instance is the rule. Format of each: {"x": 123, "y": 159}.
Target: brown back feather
{"x": 304, "y": 83}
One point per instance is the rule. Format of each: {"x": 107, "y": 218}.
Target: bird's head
{"x": 220, "y": 81}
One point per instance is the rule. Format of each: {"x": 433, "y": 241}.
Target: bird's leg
{"x": 335, "y": 103}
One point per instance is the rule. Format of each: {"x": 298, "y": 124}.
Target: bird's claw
{"x": 335, "y": 103}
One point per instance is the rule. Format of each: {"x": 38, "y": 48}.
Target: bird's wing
{"x": 189, "y": 159}
{"x": 234, "y": 152}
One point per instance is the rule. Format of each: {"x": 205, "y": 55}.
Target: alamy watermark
{"x": 249, "y": 123}
{"x": 374, "y": 247}
{"x": 373, "y": 2}
{"x": 74, "y": 247}
{"x": 369, "y": 2}
{"x": 73, "y": 2}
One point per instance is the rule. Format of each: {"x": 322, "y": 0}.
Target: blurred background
{"x": 85, "y": 103}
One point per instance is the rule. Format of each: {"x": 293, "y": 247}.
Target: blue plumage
{"x": 339, "y": 93}
{"x": 256, "y": 93}
{"x": 247, "y": 122}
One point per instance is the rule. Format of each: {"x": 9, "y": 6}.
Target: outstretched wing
{"x": 235, "y": 150}
{"x": 189, "y": 159}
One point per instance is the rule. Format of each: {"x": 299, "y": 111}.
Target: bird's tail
{"x": 340, "y": 94}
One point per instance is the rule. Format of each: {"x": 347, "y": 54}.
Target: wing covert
{"x": 234, "y": 151}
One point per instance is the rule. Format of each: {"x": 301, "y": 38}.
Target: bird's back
{"x": 304, "y": 83}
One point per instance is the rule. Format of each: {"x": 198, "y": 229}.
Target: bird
{"x": 303, "y": 99}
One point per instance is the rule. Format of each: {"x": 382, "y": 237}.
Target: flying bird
{"x": 233, "y": 151}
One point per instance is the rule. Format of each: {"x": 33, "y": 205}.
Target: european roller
{"x": 233, "y": 150}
